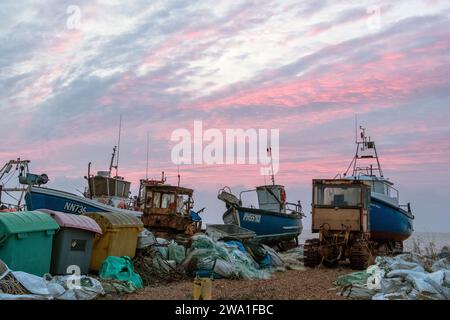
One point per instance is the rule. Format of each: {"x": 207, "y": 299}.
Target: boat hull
{"x": 388, "y": 222}
{"x": 44, "y": 198}
{"x": 268, "y": 226}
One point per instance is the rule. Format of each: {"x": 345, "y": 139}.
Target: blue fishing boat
{"x": 104, "y": 193}
{"x": 274, "y": 221}
{"x": 390, "y": 222}
{"x": 38, "y": 197}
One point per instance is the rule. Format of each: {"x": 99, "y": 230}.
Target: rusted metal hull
{"x": 170, "y": 224}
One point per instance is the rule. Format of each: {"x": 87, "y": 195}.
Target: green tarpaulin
{"x": 120, "y": 268}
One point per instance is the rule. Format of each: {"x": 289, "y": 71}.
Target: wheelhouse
{"x": 158, "y": 198}
{"x": 340, "y": 204}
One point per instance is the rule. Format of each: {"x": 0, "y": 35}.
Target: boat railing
{"x": 294, "y": 208}
{"x": 245, "y": 191}
{"x": 390, "y": 191}
{"x": 407, "y": 208}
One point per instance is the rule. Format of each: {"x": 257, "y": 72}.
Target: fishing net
{"x": 228, "y": 260}
{"x": 9, "y": 284}
{"x": 154, "y": 269}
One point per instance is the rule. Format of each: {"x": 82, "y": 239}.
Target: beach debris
{"x": 145, "y": 239}
{"x": 76, "y": 287}
{"x": 291, "y": 259}
{"x": 407, "y": 276}
{"x": 354, "y": 285}
{"x": 445, "y": 252}
{"x": 9, "y": 284}
{"x": 18, "y": 285}
{"x": 154, "y": 268}
{"x": 229, "y": 260}
{"x": 176, "y": 252}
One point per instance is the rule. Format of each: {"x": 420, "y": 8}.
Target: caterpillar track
{"x": 311, "y": 253}
{"x": 360, "y": 255}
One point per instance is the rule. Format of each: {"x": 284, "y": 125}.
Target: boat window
{"x": 337, "y": 196}
{"x": 156, "y": 200}
{"x": 166, "y": 200}
{"x": 149, "y": 199}
{"x": 179, "y": 203}
{"x": 183, "y": 204}
{"x": 379, "y": 187}
{"x": 367, "y": 202}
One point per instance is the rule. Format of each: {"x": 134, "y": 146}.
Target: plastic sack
{"x": 237, "y": 244}
{"x": 77, "y": 287}
{"x": 224, "y": 269}
{"x": 164, "y": 251}
{"x": 145, "y": 239}
{"x": 411, "y": 262}
{"x": 275, "y": 258}
{"x": 205, "y": 254}
{"x": 355, "y": 285}
{"x": 445, "y": 252}
{"x": 120, "y": 268}
{"x": 176, "y": 252}
{"x": 266, "y": 262}
{"x": 61, "y": 287}
{"x": 38, "y": 285}
{"x": 442, "y": 264}
{"x": 202, "y": 242}
{"x": 256, "y": 250}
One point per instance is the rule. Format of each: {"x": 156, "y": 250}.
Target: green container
{"x": 26, "y": 241}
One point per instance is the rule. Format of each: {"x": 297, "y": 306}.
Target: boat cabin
{"x": 340, "y": 204}
{"x": 272, "y": 198}
{"x": 109, "y": 190}
{"x": 381, "y": 188}
{"x": 159, "y": 198}
{"x": 167, "y": 209}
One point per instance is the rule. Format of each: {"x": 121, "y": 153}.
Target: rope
{"x": 154, "y": 269}
{"x": 10, "y": 285}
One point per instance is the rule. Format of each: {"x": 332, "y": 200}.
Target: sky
{"x": 70, "y": 69}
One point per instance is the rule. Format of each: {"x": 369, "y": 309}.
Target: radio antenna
{"x": 178, "y": 175}
{"x": 118, "y": 147}
{"x": 146, "y": 170}
{"x": 269, "y": 152}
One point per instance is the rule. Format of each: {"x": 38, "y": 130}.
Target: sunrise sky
{"x": 69, "y": 69}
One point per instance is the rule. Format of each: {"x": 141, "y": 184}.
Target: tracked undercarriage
{"x": 356, "y": 248}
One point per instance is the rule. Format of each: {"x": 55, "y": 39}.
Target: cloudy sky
{"x": 69, "y": 69}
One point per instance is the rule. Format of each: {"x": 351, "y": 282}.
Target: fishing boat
{"x": 12, "y": 196}
{"x": 275, "y": 221}
{"x": 37, "y": 197}
{"x": 112, "y": 190}
{"x": 168, "y": 209}
{"x": 390, "y": 222}
{"x": 104, "y": 193}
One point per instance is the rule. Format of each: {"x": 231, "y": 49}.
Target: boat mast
{"x": 269, "y": 153}
{"x": 118, "y": 147}
{"x": 365, "y": 149}
{"x": 111, "y": 165}
{"x": 6, "y": 175}
{"x": 146, "y": 169}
